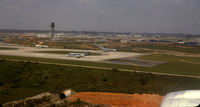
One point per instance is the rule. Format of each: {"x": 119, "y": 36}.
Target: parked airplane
{"x": 78, "y": 55}
{"x": 107, "y": 49}
{"x": 41, "y": 46}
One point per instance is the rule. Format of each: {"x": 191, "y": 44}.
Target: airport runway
{"x": 134, "y": 61}
{"x": 107, "y": 57}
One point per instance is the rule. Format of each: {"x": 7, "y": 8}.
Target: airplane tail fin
{"x": 100, "y": 47}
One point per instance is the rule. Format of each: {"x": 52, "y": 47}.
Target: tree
{"x": 115, "y": 70}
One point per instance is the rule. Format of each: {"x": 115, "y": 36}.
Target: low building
{"x": 43, "y": 36}
{"x": 191, "y": 43}
{"x": 124, "y": 41}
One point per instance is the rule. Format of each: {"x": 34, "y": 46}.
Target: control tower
{"x": 52, "y": 29}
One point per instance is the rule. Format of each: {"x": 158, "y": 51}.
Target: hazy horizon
{"x": 151, "y": 16}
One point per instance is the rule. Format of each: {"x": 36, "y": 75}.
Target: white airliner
{"x": 107, "y": 49}
{"x": 78, "y": 55}
{"x": 41, "y": 46}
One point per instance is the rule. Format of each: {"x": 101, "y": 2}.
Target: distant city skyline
{"x": 150, "y": 16}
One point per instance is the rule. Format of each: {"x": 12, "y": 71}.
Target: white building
{"x": 43, "y": 36}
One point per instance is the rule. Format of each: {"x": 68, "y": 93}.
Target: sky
{"x": 149, "y": 16}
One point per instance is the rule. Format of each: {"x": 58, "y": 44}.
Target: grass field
{"x": 66, "y": 52}
{"x": 21, "y": 79}
{"x": 71, "y": 45}
{"x": 6, "y": 48}
{"x": 170, "y": 48}
{"x": 141, "y": 48}
{"x": 173, "y": 65}
{"x": 176, "y": 64}
{"x": 85, "y": 63}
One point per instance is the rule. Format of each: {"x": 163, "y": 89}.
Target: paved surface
{"x": 32, "y": 52}
{"x": 125, "y": 58}
{"x": 134, "y": 61}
